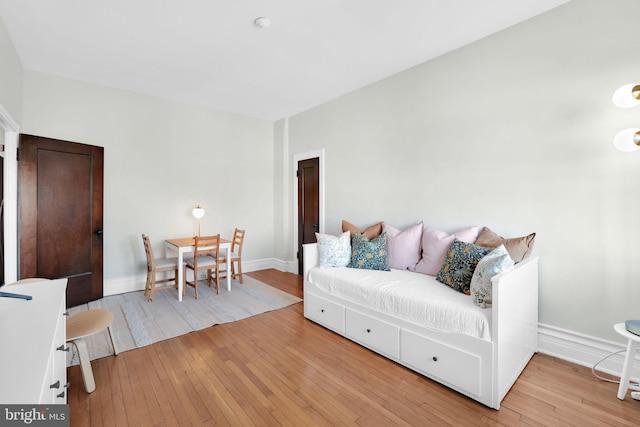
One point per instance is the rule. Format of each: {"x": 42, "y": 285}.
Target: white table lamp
{"x": 198, "y": 213}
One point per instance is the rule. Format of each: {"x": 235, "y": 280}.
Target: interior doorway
{"x": 300, "y": 199}
{"x": 60, "y": 204}
{"x": 308, "y": 204}
{"x": 2, "y": 213}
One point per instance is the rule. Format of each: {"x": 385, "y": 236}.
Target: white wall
{"x": 512, "y": 132}
{"x": 161, "y": 159}
{"x": 10, "y": 115}
{"x": 10, "y": 76}
{"x": 281, "y": 186}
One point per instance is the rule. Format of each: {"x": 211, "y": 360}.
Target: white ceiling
{"x": 210, "y": 53}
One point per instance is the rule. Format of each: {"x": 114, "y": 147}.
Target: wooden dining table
{"x": 185, "y": 245}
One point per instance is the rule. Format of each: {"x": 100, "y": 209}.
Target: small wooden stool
{"x": 80, "y": 326}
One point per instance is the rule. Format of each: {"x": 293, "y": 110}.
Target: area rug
{"x": 138, "y": 322}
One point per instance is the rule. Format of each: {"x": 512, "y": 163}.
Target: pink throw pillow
{"x": 403, "y": 247}
{"x": 435, "y": 244}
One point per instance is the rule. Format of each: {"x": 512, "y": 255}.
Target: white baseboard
{"x": 122, "y": 285}
{"x": 567, "y": 345}
{"x": 584, "y": 350}
{"x": 288, "y": 266}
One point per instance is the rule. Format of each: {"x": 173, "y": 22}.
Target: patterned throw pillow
{"x": 334, "y": 251}
{"x": 497, "y": 261}
{"x": 459, "y": 263}
{"x": 369, "y": 254}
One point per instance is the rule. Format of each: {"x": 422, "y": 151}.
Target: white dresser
{"x": 32, "y": 344}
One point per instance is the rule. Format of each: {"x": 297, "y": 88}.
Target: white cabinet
{"x": 33, "y": 351}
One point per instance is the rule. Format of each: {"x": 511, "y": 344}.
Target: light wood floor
{"x": 280, "y": 369}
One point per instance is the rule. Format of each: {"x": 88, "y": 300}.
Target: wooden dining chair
{"x": 206, "y": 256}
{"x": 236, "y": 254}
{"x": 158, "y": 265}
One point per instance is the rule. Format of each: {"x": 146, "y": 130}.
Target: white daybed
{"x": 481, "y": 362}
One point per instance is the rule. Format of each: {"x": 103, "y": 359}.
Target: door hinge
{"x": 297, "y": 173}
{"x": 17, "y": 154}
{"x": 298, "y": 255}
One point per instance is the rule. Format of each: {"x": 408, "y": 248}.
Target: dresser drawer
{"x": 440, "y": 361}
{"x": 54, "y": 389}
{"x": 325, "y": 312}
{"x": 58, "y": 385}
{"x": 380, "y": 336}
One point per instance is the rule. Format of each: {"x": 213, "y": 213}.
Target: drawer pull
{"x": 55, "y": 385}
{"x": 322, "y": 310}
{"x": 61, "y": 395}
{"x": 61, "y": 348}
{"x": 435, "y": 358}
{"x": 368, "y": 331}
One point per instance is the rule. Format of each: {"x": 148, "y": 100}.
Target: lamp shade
{"x": 627, "y": 140}
{"x": 627, "y": 96}
{"x": 198, "y": 212}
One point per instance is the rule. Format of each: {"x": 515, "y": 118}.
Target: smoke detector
{"x": 262, "y": 22}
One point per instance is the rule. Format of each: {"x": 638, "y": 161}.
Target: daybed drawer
{"x": 454, "y": 366}
{"x": 325, "y": 312}
{"x": 381, "y": 336}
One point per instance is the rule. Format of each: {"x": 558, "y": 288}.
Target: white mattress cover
{"x": 413, "y": 297}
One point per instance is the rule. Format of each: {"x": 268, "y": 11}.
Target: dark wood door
{"x": 308, "y": 203}
{"x": 60, "y": 188}
{"x": 1, "y": 219}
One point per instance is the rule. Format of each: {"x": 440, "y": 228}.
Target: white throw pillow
{"x": 334, "y": 251}
{"x": 495, "y": 262}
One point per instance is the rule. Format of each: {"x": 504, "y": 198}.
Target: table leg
{"x": 180, "y": 275}
{"x": 168, "y": 249}
{"x": 626, "y": 369}
{"x": 228, "y": 269}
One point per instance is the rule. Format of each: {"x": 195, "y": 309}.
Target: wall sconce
{"x": 198, "y": 213}
{"x": 627, "y": 140}
{"x": 627, "y": 96}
